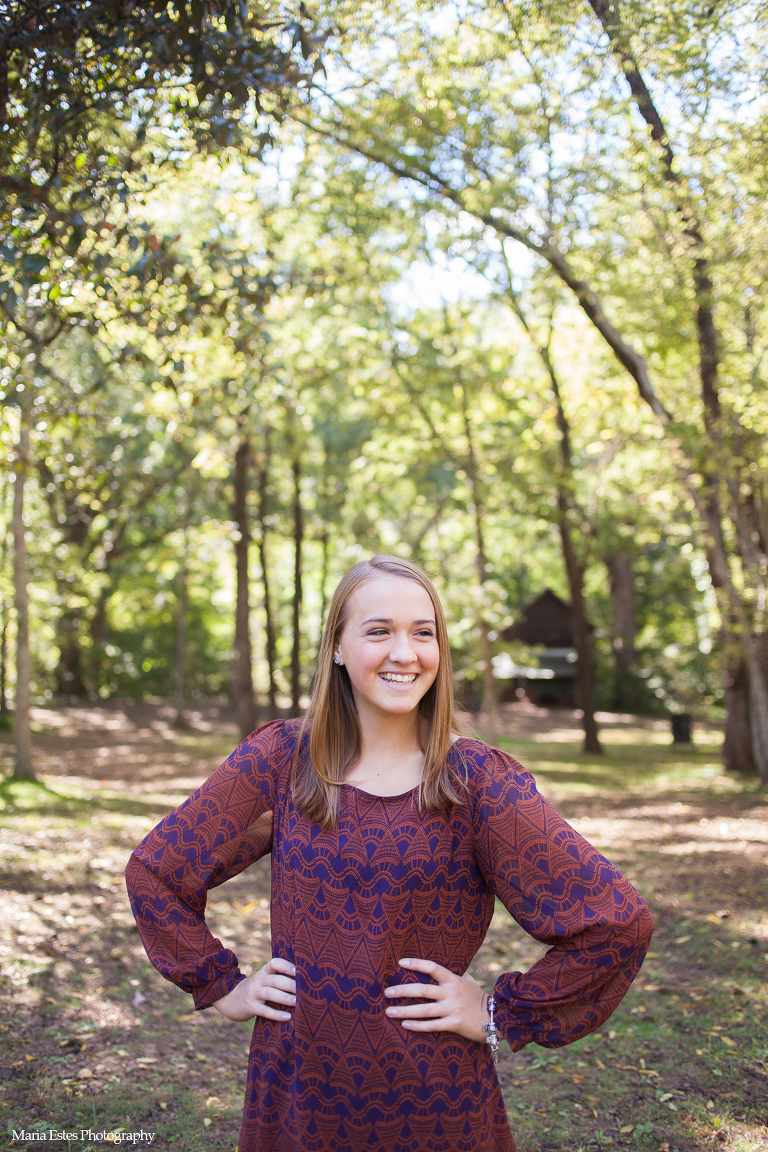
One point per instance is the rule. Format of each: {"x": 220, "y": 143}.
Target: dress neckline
{"x": 397, "y": 795}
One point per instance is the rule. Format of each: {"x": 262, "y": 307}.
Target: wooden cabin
{"x": 549, "y": 678}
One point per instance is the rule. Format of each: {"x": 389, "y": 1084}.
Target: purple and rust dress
{"x": 387, "y": 882}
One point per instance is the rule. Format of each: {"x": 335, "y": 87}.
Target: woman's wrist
{"x": 491, "y": 1031}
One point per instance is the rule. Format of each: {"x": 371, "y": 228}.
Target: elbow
{"x": 135, "y": 873}
{"x": 643, "y": 927}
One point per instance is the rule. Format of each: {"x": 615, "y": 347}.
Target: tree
{"x": 475, "y": 140}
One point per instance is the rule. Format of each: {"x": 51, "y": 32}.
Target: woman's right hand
{"x": 275, "y": 983}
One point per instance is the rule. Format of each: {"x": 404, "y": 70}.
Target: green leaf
{"x": 34, "y": 264}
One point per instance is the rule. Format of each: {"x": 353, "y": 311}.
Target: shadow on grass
{"x": 25, "y": 797}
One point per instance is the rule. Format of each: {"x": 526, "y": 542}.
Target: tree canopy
{"x": 481, "y": 285}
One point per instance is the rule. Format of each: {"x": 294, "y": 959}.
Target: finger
{"x": 417, "y": 1011}
{"x": 443, "y": 1024}
{"x": 436, "y": 971}
{"x": 431, "y": 991}
{"x": 277, "y": 964}
{"x": 284, "y": 982}
{"x": 262, "y": 1009}
{"x": 276, "y": 996}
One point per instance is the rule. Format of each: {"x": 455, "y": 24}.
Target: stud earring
{"x": 337, "y": 659}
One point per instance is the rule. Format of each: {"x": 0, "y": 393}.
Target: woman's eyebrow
{"x": 389, "y": 620}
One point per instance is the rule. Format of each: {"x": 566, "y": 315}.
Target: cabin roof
{"x": 546, "y": 620}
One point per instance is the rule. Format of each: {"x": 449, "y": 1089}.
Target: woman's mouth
{"x": 399, "y": 677}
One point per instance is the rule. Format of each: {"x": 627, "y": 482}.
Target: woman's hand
{"x": 254, "y": 996}
{"x": 455, "y": 1004}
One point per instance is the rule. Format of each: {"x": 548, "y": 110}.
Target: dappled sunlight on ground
{"x": 89, "y": 1030}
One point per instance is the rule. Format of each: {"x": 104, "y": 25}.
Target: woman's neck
{"x": 391, "y": 758}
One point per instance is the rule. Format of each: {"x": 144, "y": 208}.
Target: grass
{"x": 93, "y": 1040}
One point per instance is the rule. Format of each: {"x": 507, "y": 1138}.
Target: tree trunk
{"x": 22, "y": 733}
{"x": 242, "y": 673}
{"x": 97, "y": 629}
{"x": 758, "y": 706}
{"x": 737, "y": 746}
{"x": 269, "y": 622}
{"x": 4, "y": 608}
{"x": 586, "y": 672}
{"x": 490, "y": 703}
{"x": 181, "y": 640}
{"x": 624, "y": 604}
{"x": 70, "y": 681}
{"x": 325, "y": 540}
{"x": 298, "y": 541}
{"x": 4, "y": 660}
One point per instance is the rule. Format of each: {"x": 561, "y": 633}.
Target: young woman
{"x": 391, "y": 837}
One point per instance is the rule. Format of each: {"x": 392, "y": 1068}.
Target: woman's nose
{"x": 402, "y": 651}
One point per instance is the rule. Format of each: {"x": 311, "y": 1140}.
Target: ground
{"x": 94, "y": 1041}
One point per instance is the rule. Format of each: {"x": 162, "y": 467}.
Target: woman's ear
{"x": 337, "y": 657}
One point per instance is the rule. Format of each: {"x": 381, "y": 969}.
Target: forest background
{"x": 480, "y": 284}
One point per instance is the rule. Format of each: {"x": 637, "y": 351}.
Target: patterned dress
{"x": 387, "y": 882}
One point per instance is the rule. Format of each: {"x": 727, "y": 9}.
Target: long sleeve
{"x": 215, "y": 834}
{"x": 565, "y": 894}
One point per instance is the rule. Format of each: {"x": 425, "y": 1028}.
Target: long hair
{"x": 334, "y": 728}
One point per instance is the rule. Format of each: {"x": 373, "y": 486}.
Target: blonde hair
{"x": 334, "y": 729}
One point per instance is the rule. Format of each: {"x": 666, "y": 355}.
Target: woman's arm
{"x": 215, "y": 834}
{"x": 564, "y": 893}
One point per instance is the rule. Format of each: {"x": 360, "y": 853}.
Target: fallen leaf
{"x": 577, "y": 1079}
{"x": 710, "y": 1105}
{"x": 519, "y": 1083}
{"x": 652, "y": 955}
{"x": 557, "y": 1068}
{"x": 611, "y": 1035}
{"x": 188, "y": 1018}
{"x": 27, "y": 1056}
{"x": 146, "y": 1060}
{"x": 727, "y": 1040}
{"x": 681, "y": 940}
{"x": 712, "y": 918}
{"x": 212, "y": 1102}
{"x": 207, "y": 1121}
{"x": 50, "y": 1000}
{"x": 138, "y": 999}
{"x": 627, "y": 1128}
{"x": 592, "y": 1098}
{"x": 649, "y": 1072}
{"x": 600, "y": 1064}
{"x": 163, "y": 1105}
{"x": 85, "y": 1074}
{"x": 699, "y": 1051}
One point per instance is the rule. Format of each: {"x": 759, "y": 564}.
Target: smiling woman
{"x": 392, "y": 835}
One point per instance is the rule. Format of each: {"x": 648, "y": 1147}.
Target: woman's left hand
{"x": 454, "y": 1004}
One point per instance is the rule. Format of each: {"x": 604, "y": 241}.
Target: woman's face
{"x": 389, "y": 644}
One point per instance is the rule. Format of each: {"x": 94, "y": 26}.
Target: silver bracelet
{"x": 492, "y": 1031}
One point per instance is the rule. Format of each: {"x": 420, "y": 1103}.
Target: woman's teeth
{"x": 395, "y": 678}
